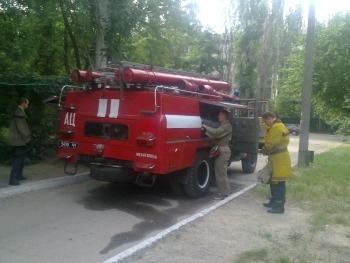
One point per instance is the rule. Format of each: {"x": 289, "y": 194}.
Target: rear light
{"x": 146, "y": 139}
{"x": 98, "y": 148}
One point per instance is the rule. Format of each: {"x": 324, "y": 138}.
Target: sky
{"x": 212, "y": 13}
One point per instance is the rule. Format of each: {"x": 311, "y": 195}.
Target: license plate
{"x": 65, "y": 144}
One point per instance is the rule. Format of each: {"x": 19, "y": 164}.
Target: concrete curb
{"x": 152, "y": 240}
{"x": 42, "y": 184}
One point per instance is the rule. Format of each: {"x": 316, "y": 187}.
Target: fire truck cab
{"x": 138, "y": 123}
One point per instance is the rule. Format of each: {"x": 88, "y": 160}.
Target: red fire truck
{"x": 139, "y": 123}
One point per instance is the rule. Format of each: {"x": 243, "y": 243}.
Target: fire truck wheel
{"x": 249, "y": 163}
{"x": 199, "y": 176}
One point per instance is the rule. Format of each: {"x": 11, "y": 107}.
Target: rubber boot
{"x": 277, "y": 208}
{"x": 269, "y": 204}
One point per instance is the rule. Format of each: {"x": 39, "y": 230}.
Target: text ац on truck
{"x": 139, "y": 123}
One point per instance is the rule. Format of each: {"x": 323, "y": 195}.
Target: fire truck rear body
{"x": 148, "y": 126}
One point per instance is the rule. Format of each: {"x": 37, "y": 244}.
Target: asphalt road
{"x": 92, "y": 221}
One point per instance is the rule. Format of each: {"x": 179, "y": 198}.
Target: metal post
{"x": 303, "y": 156}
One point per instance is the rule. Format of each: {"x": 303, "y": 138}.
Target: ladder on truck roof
{"x": 124, "y": 64}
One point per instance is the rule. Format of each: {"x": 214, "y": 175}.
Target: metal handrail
{"x": 63, "y": 88}
{"x": 174, "y": 89}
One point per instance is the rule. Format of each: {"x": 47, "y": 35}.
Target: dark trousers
{"x": 278, "y": 191}
{"x": 20, "y": 153}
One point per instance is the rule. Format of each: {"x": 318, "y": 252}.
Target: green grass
{"x": 260, "y": 255}
{"x": 295, "y": 235}
{"x": 322, "y": 189}
{"x": 266, "y": 234}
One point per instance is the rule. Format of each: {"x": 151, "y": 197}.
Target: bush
{"x": 5, "y": 150}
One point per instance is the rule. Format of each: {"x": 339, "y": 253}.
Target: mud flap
{"x": 74, "y": 165}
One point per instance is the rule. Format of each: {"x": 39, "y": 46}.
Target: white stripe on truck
{"x": 182, "y": 121}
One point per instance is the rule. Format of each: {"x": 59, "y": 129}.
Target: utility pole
{"x": 303, "y": 155}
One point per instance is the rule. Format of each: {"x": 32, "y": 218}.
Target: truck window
{"x": 209, "y": 114}
{"x": 106, "y": 130}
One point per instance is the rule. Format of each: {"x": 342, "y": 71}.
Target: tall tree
{"x": 288, "y": 99}
{"x": 53, "y": 37}
{"x": 331, "y": 90}
{"x": 268, "y": 65}
{"x": 252, "y": 17}
{"x": 262, "y": 37}
{"x": 331, "y": 72}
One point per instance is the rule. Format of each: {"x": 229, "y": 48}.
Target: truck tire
{"x": 199, "y": 176}
{"x": 249, "y": 163}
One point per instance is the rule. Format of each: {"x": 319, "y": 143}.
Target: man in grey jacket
{"x": 19, "y": 135}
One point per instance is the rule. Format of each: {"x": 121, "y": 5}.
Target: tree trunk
{"x": 102, "y": 18}
{"x": 69, "y": 31}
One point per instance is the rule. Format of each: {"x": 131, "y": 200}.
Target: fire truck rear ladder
{"x": 75, "y": 167}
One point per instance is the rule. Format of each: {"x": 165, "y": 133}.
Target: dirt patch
{"x": 46, "y": 168}
{"x": 243, "y": 225}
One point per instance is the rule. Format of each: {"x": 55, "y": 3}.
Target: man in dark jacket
{"x": 19, "y": 136}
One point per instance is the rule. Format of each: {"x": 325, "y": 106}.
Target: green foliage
{"x": 287, "y": 90}
{"x": 5, "y": 150}
{"x": 170, "y": 37}
{"x": 331, "y": 90}
{"x": 34, "y": 31}
{"x": 54, "y": 37}
{"x": 9, "y": 53}
{"x": 331, "y": 79}
{"x": 253, "y": 16}
{"x": 288, "y": 101}
{"x": 263, "y": 40}
{"x": 42, "y": 118}
{"x": 204, "y": 54}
